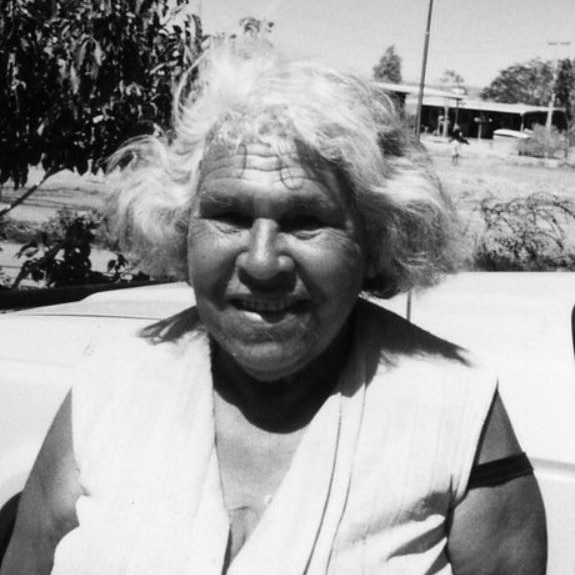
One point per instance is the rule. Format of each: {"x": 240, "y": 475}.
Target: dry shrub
{"x": 526, "y": 234}
{"x": 544, "y": 143}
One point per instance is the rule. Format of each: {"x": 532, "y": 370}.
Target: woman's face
{"x": 275, "y": 258}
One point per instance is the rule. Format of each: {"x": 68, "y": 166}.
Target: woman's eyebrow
{"x": 313, "y": 203}
{"x": 215, "y": 198}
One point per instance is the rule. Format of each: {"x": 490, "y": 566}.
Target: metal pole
{"x": 418, "y": 112}
{"x": 551, "y": 104}
{"x": 423, "y": 70}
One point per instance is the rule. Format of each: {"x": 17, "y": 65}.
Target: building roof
{"x": 489, "y": 106}
{"x": 409, "y": 89}
{"x": 441, "y": 98}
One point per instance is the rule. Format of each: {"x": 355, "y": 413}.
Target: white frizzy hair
{"x": 249, "y": 93}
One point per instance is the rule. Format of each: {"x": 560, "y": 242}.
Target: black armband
{"x": 499, "y": 471}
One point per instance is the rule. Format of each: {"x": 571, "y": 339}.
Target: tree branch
{"x": 26, "y": 194}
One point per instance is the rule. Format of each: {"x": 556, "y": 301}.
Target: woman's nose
{"x": 264, "y": 258}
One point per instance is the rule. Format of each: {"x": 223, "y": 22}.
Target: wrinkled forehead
{"x": 281, "y": 160}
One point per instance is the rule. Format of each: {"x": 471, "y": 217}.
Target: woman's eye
{"x": 231, "y": 219}
{"x": 304, "y": 224}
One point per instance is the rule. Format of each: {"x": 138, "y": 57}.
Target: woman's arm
{"x": 499, "y": 529}
{"x": 47, "y": 508}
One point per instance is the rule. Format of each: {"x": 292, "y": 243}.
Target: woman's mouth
{"x": 263, "y": 306}
{"x": 268, "y": 307}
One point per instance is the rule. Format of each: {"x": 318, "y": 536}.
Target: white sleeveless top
{"x": 369, "y": 490}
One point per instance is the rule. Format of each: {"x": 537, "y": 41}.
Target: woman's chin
{"x": 271, "y": 361}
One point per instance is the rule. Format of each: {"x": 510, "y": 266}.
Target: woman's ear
{"x": 371, "y": 269}
{"x": 379, "y": 283}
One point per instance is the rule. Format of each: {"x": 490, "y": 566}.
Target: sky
{"x": 476, "y": 38}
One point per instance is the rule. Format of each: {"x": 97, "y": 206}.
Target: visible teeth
{"x": 264, "y": 306}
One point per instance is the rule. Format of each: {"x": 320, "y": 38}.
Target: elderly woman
{"x": 286, "y": 424}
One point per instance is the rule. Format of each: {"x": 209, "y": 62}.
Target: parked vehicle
{"x": 521, "y": 323}
{"x": 505, "y": 134}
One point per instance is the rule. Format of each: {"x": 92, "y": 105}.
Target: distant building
{"x": 475, "y": 118}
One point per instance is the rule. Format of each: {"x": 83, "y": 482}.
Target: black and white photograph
{"x": 287, "y": 287}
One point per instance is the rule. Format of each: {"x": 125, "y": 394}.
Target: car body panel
{"x": 504, "y": 133}
{"x": 519, "y": 322}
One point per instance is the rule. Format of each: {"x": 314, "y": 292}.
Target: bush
{"x": 526, "y": 234}
{"x": 544, "y": 143}
{"x": 4, "y": 280}
{"x": 18, "y": 231}
{"x": 78, "y": 78}
{"x": 59, "y": 254}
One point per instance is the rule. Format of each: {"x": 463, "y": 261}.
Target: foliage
{"x": 256, "y": 27}
{"x": 543, "y": 143}
{"x": 59, "y": 255}
{"x": 17, "y": 231}
{"x": 79, "y": 77}
{"x": 528, "y": 83}
{"x": 525, "y": 234}
{"x": 4, "y": 280}
{"x": 565, "y": 87}
{"x": 388, "y": 69}
{"x": 453, "y": 81}
{"x": 535, "y": 82}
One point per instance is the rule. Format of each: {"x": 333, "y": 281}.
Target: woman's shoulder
{"x": 116, "y": 369}
{"x": 167, "y": 337}
{"x": 401, "y": 355}
{"x": 394, "y": 337}
{"x": 126, "y": 386}
{"x": 436, "y": 388}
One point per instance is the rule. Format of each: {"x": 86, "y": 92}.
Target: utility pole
{"x": 423, "y": 71}
{"x": 551, "y": 104}
{"x": 418, "y": 112}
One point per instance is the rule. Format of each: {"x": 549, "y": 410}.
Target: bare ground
{"x": 64, "y": 189}
{"x": 490, "y": 169}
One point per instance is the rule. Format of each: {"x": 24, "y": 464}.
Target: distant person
{"x": 456, "y": 140}
{"x": 284, "y": 424}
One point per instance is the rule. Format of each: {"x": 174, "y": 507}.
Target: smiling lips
{"x": 264, "y": 306}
